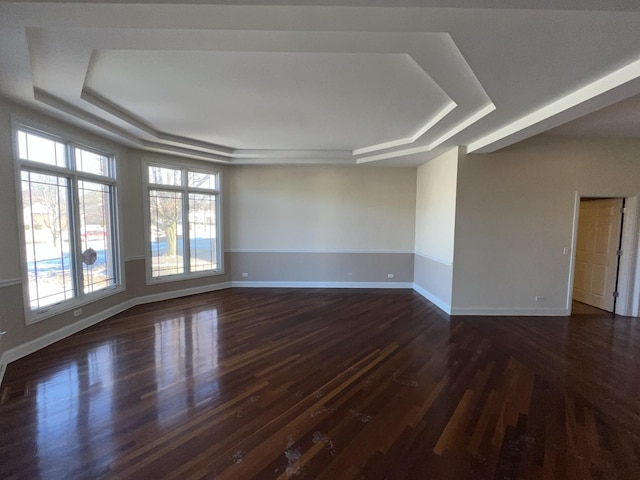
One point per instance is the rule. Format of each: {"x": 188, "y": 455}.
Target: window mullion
{"x": 74, "y": 220}
{"x": 76, "y": 241}
{"x": 186, "y": 235}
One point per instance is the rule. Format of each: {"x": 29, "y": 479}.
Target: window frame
{"x": 185, "y": 190}
{"x": 74, "y": 176}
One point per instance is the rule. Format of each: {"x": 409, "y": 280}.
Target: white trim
{"x": 441, "y": 304}
{"x": 427, "y": 148}
{"x": 36, "y": 344}
{"x": 157, "y": 297}
{"x": 512, "y": 311}
{"x": 134, "y": 257}
{"x": 435, "y": 259}
{"x": 41, "y": 314}
{"x": 574, "y": 243}
{"x": 178, "y": 277}
{"x": 598, "y": 87}
{"x": 628, "y": 279}
{"x": 270, "y": 284}
{"x": 10, "y": 281}
{"x": 319, "y": 250}
{"x": 406, "y": 141}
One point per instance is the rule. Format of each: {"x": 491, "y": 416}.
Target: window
{"x": 68, "y": 207}
{"x": 184, "y": 230}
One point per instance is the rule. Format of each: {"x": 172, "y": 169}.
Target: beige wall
{"x": 366, "y": 269}
{"x": 435, "y": 227}
{"x": 436, "y": 206}
{"x": 515, "y": 214}
{"x": 330, "y": 225}
{"x": 322, "y": 208}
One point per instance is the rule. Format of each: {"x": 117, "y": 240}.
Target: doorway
{"x": 597, "y": 260}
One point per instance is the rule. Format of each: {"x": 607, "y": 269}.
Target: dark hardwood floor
{"x": 326, "y": 384}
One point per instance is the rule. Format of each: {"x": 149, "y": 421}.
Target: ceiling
{"x": 384, "y": 82}
{"x": 620, "y": 120}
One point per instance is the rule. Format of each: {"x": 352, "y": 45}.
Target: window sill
{"x": 32, "y": 316}
{"x": 183, "y": 277}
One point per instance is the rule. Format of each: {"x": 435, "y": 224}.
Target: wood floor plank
{"x": 326, "y": 384}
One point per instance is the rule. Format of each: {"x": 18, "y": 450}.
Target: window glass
{"x": 40, "y": 149}
{"x": 47, "y": 237}
{"x": 202, "y": 232}
{"x": 165, "y": 176}
{"x": 96, "y": 232}
{"x": 203, "y": 180}
{"x": 90, "y": 162}
{"x": 167, "y": 248}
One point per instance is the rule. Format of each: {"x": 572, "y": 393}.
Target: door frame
{"x": 628, "y": 303}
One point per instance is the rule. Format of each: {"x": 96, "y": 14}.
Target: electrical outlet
{"x": 539, "y": 298}
{"x": 245, "y": 274}
{"x": 77, "y": 312}
{"x": 389, "y": 275}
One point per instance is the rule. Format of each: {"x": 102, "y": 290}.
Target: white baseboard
{"x": 52, "y": 337}
{"x": 442, "y": 305}
{"x": 158, "y": 297}
{"x": 516, "y": 312}
{"x": 267, "y": 284}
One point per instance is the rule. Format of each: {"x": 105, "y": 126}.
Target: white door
{"x": 597, "y": 252}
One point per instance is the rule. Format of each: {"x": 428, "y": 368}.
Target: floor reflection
{"x": 75, "y": 404}
{"x": 58, "y": 405}
{"x": 186, "y": 360}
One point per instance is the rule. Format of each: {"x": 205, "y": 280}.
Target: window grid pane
{"x": 167, "y": 248}
{"x": 48, "y": 240}
{"x": 206, "y": 181}
{"x": 90, "y": 162}
{"x": 40, "y": 149}
{"x": 165, "y": 176}
{"x": 202, "y": 232}
{"x": 96, "y": 234}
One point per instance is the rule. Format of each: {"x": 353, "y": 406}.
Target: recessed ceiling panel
{"x": 270, "y": 100}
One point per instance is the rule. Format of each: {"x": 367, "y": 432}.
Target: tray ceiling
{"x": 303, "y": 84}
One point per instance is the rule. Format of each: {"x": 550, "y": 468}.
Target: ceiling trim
{"x": 470, "y": 120}
{"x": 598, "y": 87}
{"x": 105, "y": 105}
{"x": 405, "y": 141}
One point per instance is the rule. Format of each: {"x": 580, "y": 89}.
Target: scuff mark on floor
{"x": 317, "y": 413}
{"x": 363, "y": 418}
{"x": 405, "y": 380}
{"x": 371, "y": 379}
{"x": 319, "y": 437}
{"x": 294, "y": 467}
{"x": 238, "y": 457}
